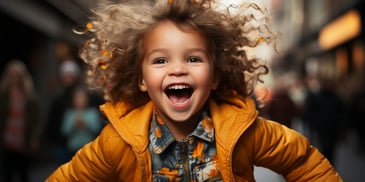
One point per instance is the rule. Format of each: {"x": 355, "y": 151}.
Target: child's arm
{"x": 91, "y": 163}
{"x": 107, "y": 158}
{"x": 289, "y": 153}
{"x": 87, "y": 165}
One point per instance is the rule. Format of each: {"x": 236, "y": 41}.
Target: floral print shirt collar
{"x": 162, "y": 137}
{"x": 192, "y": 159}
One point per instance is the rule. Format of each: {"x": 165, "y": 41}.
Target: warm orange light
{"x": 358, "y": 55}
{"x": 342, "y": 61}
{"x": 340, "y": 30}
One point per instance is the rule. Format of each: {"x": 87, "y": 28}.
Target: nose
{"x": 178, "y": 68}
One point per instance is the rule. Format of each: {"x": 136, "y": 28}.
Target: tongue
{"x": 179, "y": 98}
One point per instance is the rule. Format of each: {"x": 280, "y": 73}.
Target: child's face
{"x": 80, "y": 99}
{"x": 177, "y": 71}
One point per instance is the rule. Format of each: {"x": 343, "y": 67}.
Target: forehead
{"x": 167, "y": 33}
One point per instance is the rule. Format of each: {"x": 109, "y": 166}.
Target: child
{"x": 81, "y": 122}
{"x": 178, "y": 84}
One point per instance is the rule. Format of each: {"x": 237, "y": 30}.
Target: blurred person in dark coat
{"x": 357, "y": 115}
{"x": 281, "y": 107}
{"x": 70, "y": 77}
{"x": 19, "y": 121}
{"x": 324, "y": 111}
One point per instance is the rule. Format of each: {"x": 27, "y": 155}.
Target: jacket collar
{"x": 132, "y": 126}
{"x": 230, "y": 117}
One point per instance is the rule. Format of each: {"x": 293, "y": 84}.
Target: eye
{"x": 160, "y": 61}
{"x": 194, "y": 60}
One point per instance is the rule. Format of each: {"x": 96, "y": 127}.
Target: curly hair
{"x": 115, "y": 34}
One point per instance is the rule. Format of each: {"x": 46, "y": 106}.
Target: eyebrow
{"x": 189, "y": 50}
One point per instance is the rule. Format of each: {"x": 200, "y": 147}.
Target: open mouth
{"x": 179, "y": 94}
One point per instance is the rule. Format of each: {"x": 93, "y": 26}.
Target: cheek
{"x": 152, "y": 77}
{"x": 205, "y": 78}
{"x": 151, "y": 81}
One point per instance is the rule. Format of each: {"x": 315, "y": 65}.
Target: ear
{"x": 215, "y": 84}
{"x": 142, "y": 86}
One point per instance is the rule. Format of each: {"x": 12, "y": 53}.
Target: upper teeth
{"x": 178, "y": 86}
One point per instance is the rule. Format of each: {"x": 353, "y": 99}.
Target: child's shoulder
{"x": 110, "y": 139}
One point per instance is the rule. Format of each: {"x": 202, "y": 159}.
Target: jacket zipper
{"x": 184, "y": 156}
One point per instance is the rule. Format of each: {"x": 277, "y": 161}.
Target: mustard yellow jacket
{"x": 120, "y": 152}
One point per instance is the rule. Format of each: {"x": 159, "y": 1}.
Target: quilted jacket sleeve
{"x": 90, "y": 163}
{"x": 289, "y": 153}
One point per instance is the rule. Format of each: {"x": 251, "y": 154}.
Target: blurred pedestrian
{"x": 357, "y": 115}
{"x": 281, "y": 107}
{"x": 70, "y": 76}
{"x": 19, "y": 121}
{"x": 324, "y": 111}
{"x": 81, "y": 122}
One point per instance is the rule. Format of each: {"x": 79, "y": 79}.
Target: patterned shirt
{"x": 192, "y": 159}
